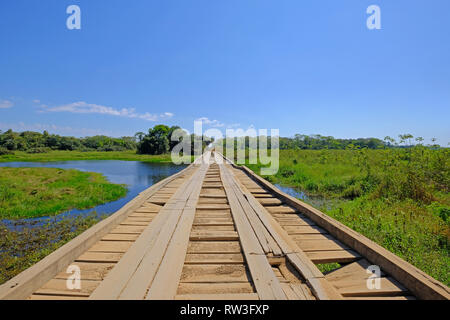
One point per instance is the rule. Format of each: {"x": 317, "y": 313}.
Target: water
{"x": 137, "y": 175}
{"x": 320, "y": 203}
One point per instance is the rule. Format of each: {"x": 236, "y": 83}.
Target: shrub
{"x": 4, "y": 151}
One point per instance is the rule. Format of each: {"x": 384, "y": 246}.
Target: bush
{"x": 4, "y": 151}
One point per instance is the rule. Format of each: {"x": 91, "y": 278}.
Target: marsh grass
{"x": 36, "y": 192}
{"x": 398, "y": 198}
{"x": 22, "y": 248}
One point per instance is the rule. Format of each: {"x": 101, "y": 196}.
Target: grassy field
{"x": 399, "y": 198}
{"x": 130, "y": 155}
{"x": 34, "y": 192}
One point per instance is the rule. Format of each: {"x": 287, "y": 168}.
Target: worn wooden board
{"x": 267, "y": 285}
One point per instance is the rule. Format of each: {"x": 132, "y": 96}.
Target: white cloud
{"x": 87, "y": 108}
{"x": 212, "y": 123}
{"x": 5, "y": 104}
{"x": 36, "y": 101}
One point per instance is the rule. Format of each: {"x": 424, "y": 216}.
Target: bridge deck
{"x": 217, "y": 231}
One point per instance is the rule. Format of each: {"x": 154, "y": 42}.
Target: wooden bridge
{"x": 218, "y": 231}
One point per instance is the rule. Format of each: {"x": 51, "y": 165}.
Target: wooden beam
{"x": 267, "y": 285}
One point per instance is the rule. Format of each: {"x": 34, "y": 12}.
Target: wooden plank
{"x": 341, "y": 256}
{"x": 269, "y": 201}
{"x": 206, "y": 201}
{"x": 119, "y": 277}
{"x": 145, "y": 209}
{"x": 55, "y": 297}
{"x": 59, "y": 287}
{"x": 142, "y": 215}
{"x": 312, "y": 236}
{"x": 212, "y": 206}
{"x": 302, "y": 291}
{"x": 201, "y": 221}
{"x": 321, "y": 245}
{"x": 212, "y": 185}
{"x": 95, "y": 271}
{"x": 294, "y": 230}
{"x": 290, "y": 293}
{"x": 282, "y": 209}
{"x": 231, "y": 296}
{"x": 215, "y": 273}
{"x": 139, "y": 219}
{"x": 111, "y": 246}
{"x": 215, "y": 288}
{"x": 135, "y": 223}
{"x": 214, "y": 236}
{"x": 222, "y": 195}
{"x": 358, "y": 288}
{"x": 99, "y": 257}
{"x": 214, "y": 258}
{"x": 167, "y": 277}
{"x": 262, "y": 195}
{"x": 267, "y": 285}
{"x": 355, "y": 270}
{"x": 265, "y": 239}
{"x": 120, "y": 237}
{"x": 163, "y": 252}
{"x": 213, "y": 213}
{"x": 390, "y": 298}
{"x": 214, "y": 247}
{"x": 212, "y": 228}
{"x": 294, "y": 220}
{"x": 128, "y": 229}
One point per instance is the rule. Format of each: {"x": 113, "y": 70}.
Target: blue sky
{"x": 299, "y": 66}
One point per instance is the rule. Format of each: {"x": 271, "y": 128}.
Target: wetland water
{"x": 320, "y": 203}
{"x": 136, "y": 175}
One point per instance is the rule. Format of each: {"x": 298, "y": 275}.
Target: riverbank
{"x": 130, "y": 155}
{"x": 397, "y": 198}
{"x": 36, "y": 192}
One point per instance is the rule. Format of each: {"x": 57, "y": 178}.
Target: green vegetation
{"x": 398, "y": 197}
{"x": 35, "y": 146}
{"x": 316, "y": 142}
{"x": 20, "y": 249}
{"x": 35, "y": 142}
{"x": 159, "y": 140}
{"x": 129, "y": 155}
{"x": 34, "y": 192}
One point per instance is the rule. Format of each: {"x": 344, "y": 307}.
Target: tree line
{"x": 35, "y": 142}
{"x": 319, "y": 142}
{"x": 158, "y": 140}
